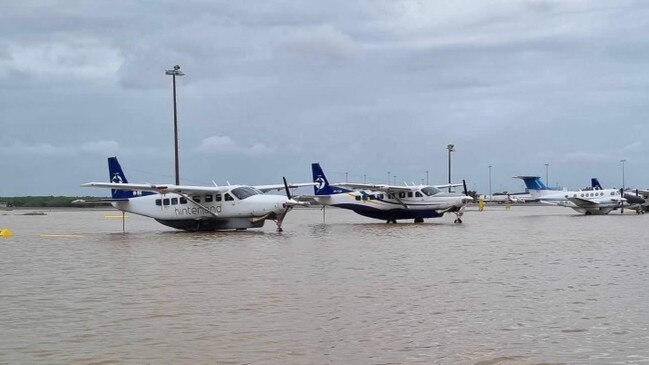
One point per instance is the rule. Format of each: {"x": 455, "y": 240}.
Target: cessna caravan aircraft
{"x": 389, "y": 202}
{"x": 199, "y": 208}
{"x": 596, "y": 201}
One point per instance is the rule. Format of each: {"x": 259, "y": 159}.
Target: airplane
{"x": 199, "y": 208}
{"x": 637, "y": 200}
{"x": 600, "y": 201}
{"x": 389, "y": 202}
{"x": 508, "y": 198}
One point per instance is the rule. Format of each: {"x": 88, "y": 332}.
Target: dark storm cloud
{"x": 365, "y": 87}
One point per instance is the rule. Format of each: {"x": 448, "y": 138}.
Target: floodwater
{"x": 529, "y": 285}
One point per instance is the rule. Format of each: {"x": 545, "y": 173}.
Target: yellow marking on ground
{"x": 45, "y": 235}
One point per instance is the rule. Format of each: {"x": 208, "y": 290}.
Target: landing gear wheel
{"x": 458, "y": 220}
{"x": 419, "y": 220}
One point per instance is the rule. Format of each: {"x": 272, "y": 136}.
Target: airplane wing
{"x": 379, "y": 187}
{"x": 584, "y": 203}
{"x": 447, "y": 186}
{"x": 277, "y": 187}
{"x": 158, "y": 188}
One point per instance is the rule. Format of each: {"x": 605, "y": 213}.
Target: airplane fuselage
{"x": 606, "y": 200}
{"x": 206, "y": 211}
{"x": 380, "y": 205}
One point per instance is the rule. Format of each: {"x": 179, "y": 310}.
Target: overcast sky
{"x": 364, "y": 87}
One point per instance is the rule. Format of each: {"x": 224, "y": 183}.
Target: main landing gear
{"x": 459, "y": 215}
{"x": 391, "y": 220}
{"x": 419, "y": 220}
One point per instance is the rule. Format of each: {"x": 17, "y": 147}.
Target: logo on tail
{"x": 116, "y": 175}
{"x": 322, "y": 186}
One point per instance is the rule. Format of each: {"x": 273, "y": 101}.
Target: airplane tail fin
{"x": 594, "y": 183}
{"x": 116, "y": 175}
{"x": 533, "y": 184}
{"x": 322, "y": 186}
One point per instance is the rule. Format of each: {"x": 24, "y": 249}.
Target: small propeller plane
{"x": 199, "y": 208}
{"x": 588, "y": 202}
{"x": 389, "y": 202}
{"x": 637, "y": 199}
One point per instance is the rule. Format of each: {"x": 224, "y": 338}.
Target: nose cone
{"x": 467, "y": 199}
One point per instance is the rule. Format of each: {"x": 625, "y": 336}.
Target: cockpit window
{"x": 429, "y": 190}
{"x": 244, "y": 192}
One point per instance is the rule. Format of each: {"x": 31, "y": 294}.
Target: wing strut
{"x": 196, "y": 203}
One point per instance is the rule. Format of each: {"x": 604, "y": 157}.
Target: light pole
{"x": 426, "y": 177}
{"x": 623, "y": 161}
{"x": 388, "y": 177}
{"x": 395, "y": 179}
{"x": 489, "y": 182}
{"x": 546, "y": 174}
{"x": 364, "y": 178}
{"x": 450, "y": 149}
{"x": 346, "y": 176}
{"x": 175, "y": 72}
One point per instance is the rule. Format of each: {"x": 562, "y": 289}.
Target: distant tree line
{"x": 51, "y": 201}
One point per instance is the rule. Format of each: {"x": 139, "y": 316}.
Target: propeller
{"x": 622, "y": 201}
{"x": 466, "y": 192}
{"x": 288, "y": 191}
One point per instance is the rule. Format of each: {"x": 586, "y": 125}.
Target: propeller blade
{"x": 466, "y": 192}
{"x": 622, "y": 201}
{"x": 288, "y": 192}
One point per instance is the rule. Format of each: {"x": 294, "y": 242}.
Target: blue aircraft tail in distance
{"x": 322, "y": 186}
{"x": 532, "y": 182}
{"x": 594, "y": 183}
{"x": 116, "y": 175}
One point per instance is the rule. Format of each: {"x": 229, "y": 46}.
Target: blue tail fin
{"x": 323, "y": 187}
{"x": 594, "y": 183}
{"x": 116, "y": 175}
{"x": 532, "y": 182}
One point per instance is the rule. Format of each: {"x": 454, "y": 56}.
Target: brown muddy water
{"x": 528, "y": 285}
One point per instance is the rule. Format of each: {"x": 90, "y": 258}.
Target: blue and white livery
{"x": 595, "y": 201}
{"x": 199, "y": 208}
{"x": 388, "y": 202}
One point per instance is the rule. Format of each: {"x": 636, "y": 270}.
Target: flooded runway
{"x": 528, "y": 285}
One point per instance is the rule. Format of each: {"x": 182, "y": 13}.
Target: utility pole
{"x": 450, "y": 149}
{"x": 175, "y": 72}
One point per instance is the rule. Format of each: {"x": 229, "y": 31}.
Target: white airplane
{"x": 599, "y": 201}
{"x": 199, "y": 208}
{"x": 509, "y": 198}
{"x": 389, "y": 202}
{"x": 637, "y": 199}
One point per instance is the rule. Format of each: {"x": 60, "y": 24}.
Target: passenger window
{"x": 228, "y": 197}
{"x": 364, "y": 197}
{"x": 165, "y": 201}
{"x": 158, "y": 202}
{"x": 357, "y": 197}
{"x": 380, "y": 196}
{"x": 174, "y": 201}
{"x": 218, "y": 197}
{"x": 418, "y": 194}
{"x": 390, "y": 196}
{"x": 402, "y": 195}
{"x": 196, "y": 198}
{"x": 208, "y": 198}
{"x": 410, "y": 194}
{"x": 183, "y": 200}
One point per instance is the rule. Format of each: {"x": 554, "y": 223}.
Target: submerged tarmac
{"x": 529, "y": 285}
